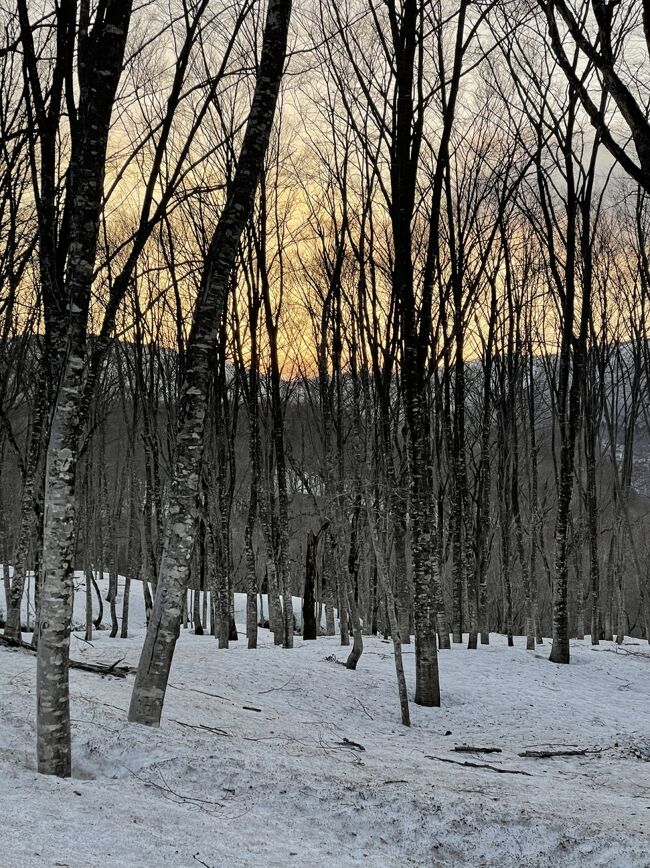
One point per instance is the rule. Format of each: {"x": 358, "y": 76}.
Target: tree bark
{"x": 153, "y": 671}
{"x": 309, "y": 600}
{"x": 98, "y": 79}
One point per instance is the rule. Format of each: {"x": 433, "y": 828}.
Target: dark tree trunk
{"x": 309, "y": 600}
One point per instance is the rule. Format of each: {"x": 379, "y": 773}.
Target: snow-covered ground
{"x": 258, "y": 761}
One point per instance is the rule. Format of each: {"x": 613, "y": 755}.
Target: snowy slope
{"x": 136, "y": 603}
{"x": 250, "y": 766}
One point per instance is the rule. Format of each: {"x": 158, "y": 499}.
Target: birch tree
{"x": 100, "y": 43}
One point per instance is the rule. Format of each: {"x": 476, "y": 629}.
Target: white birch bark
{"x": 98, "y": 78}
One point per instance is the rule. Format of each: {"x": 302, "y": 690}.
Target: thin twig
{"x": 363, "y": 708}
{"x": 478, "y": 766}
{"x": 202, "y": 727}
{"x": 281, "y": 687}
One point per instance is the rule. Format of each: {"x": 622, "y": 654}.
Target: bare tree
{"x": 153, "y": 671}
{"x": 597, "y": 34}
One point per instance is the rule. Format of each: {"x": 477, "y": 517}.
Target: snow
{"x": 136, "y": 603}
{"x": 250, "y": 766}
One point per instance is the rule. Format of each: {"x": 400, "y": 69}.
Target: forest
{"x": 323, "y": 322}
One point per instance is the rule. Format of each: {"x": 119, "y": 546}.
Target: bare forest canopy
{"x": 344, "y": 300}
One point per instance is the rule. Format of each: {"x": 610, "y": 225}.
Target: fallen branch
{"x": 174, "y": 796}
{"x": 470, "y": 748}
{"x": 202, "y": 727}
{"x": 332, "y": 658}
{"x": 281, "y": 687}
{"x": 443, "y": 759}
{"x": 546, "y": 754}
{"x": 618, "y": 650}
{"x": 113, "y": 669}
{"x": 11, "y": 643}
{"x": 202, "y": 692}
{"x": 353, "y": 745}
{"x": 364, "y": 709}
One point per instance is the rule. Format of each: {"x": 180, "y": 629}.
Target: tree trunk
{"x": 251, "y": 589}
{"x": 32, "y": 482}
{"x": 196, "y": 611}
{"x": 53, "y": 709}
{"x": 153, "y": 671}
{"x": 124, "y": 630}
{"x": 384, "y": 584}
{"x": 89, "y": 605}
{"x": 427, "y": 687}
{"x": 98, "y": 83}
{"x": 560, "y": 649}
{"x": 309, "y": 601}
{"x": 590, "y": 438}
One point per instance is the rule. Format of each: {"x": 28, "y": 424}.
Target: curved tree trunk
{"x": 157, "y": 653}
